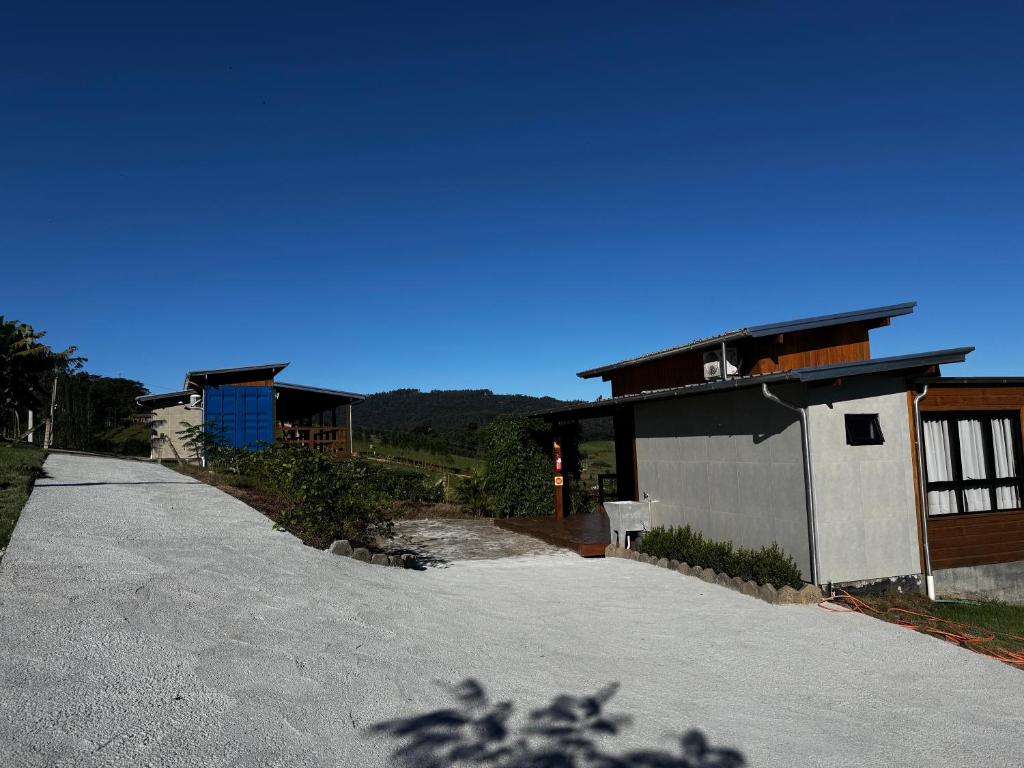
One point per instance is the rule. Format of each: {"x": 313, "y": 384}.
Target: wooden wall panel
{"x": 984, "y": 537}
{"x": 820, "y": 346}
{"x": 977, "y": 539}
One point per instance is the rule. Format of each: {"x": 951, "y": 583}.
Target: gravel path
{"x": 146, "y": 619}
{"x": 442, "y": 541}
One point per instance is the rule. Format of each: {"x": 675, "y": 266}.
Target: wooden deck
{"x": 586, "y": 535}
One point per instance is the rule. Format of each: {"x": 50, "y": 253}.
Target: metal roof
{"x": 971, "y": 381}
{"x": 184, "y": 394}
{"x": 760, "y": 331}
{"x": 272, "y": 368}
{"x": 318, "y": 390}
{"x": 810, "y": 374}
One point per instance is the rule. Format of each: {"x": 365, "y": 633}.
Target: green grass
{"x": 20, "y": 465}
{"x": 598, "y": 459}
{"x": 1002, "y": 622}
{"x": 465, "y": 464}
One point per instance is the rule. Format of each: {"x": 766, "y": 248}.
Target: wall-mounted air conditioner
{"x": 713, "y": 364}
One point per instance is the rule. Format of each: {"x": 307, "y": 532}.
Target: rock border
{"x": 808, "y": 594}
{"x": 343, "y": 547}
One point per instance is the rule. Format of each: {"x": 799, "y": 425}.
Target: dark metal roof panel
{"x": 816, "y": 373}
{"x": 759, "y": 331}
{"x": 276, "y": 367}
{"x": 183, "y": 394}
{"x": 318, "y": 390}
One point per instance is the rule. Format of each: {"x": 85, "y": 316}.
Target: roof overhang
{"x": 336, "y": 393}
{"x": 913, "y": 365}
{"x": 264, "y": 371}
{"x": 760, "y": 331}
{"x": 171, "y": 398}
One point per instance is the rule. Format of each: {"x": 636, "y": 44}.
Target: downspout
{"x": 812, "y": 521}
{"x": 922, "y": 491}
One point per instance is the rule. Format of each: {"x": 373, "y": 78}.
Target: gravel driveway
{"x": 146, "y": 619}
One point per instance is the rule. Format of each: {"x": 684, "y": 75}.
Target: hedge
{"x": 767, "y": 565}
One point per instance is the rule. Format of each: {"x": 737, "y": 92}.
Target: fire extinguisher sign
{"x": 559, "y": 481}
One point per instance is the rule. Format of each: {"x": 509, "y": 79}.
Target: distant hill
{"x": 455, "y": 411}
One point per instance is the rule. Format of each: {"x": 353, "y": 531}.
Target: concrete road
{"x": 149, "y": 620}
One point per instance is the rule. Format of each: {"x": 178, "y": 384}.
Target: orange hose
{"x": 946, "y": 629}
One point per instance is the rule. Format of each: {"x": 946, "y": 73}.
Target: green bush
{"x": 519, "y": 470}
{"x": 767, "y": 565}
{"x": 471, "y": 492}
{"x": 329, "y": 498}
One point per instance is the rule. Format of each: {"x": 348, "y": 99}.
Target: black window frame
{"x": 876, "y": 427}
{"x": 958, "y": 485}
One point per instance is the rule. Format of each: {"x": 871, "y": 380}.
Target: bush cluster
{"x": 767, "y": 565}
{"x": 328, "y": 499}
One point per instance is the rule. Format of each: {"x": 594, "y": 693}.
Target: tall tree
{"x": 27, "y": 368}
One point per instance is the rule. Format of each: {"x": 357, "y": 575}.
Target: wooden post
{"x": 559, "y": 479}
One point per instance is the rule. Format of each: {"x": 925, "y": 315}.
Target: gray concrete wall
{"x": 164, "y": 442}
{"x": 999, "y": 581}
{"x": 867, "y": 519}
{"x": 729, "y": 464}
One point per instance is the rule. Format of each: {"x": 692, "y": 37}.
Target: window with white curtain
{"x": 972, "y": 462}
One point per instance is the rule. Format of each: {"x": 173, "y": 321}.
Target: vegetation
{"x": 20, "y": 465}
{"x": 519, "y": 472}
{"x": 767, "y": 565}
{"x": 319, "y": 498}
{"x": 94, "y": 413}
{"x": 997, "y": 627}
{"x": 27, "y": 370}
{"x": 447, "y": 423}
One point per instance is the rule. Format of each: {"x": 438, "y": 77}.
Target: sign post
{"x": 559, "y": 482}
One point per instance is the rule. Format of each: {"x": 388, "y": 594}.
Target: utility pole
{"x": 48, "y": 437}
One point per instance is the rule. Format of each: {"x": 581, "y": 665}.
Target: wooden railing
{"x": 607, "y": 488}
{"x": 326, "y": 439}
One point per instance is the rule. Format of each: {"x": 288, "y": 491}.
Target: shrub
{"x": 471, "y": 492}
{"x": 519, "y": 471}
{"x": 328, "y": 498}
{"x": 767, "y": 565}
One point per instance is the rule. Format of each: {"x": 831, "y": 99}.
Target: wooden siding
{"x": 982, "y": 537}
{"x": 976, "y": 539}
{"x": 819, "y": 346}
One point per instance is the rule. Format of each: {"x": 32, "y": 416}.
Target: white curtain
{"x": 972, "y": 462}
{"x": 939, "y": 467}
{"x": 1003, "y": 442}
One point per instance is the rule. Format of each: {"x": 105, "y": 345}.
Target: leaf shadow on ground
{"x": 570, "y": 732}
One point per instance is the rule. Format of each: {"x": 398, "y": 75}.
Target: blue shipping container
{"x": 240, "y": 417}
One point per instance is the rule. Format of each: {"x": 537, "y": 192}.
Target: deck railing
{"x": 326, "y": 439}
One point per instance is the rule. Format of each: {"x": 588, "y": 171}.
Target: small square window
{"x": 863, "y": 429}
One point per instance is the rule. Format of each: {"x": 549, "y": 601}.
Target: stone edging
{"x": 344, "y": 548}
{"x": 806, "y": 595}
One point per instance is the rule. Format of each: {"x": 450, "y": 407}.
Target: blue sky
{"x": 498, "y": 195}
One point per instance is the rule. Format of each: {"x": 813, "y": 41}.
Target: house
{"x": 793, "y": 433}
{"x": 248, "y": 408}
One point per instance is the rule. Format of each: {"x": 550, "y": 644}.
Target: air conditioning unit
{"x": 713, "y": 364}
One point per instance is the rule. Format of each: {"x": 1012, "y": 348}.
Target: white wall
{"x": 867, "y": 519}
{"x": 164, "y": 442}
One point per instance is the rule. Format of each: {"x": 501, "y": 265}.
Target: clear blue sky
{"x": 498, "y": 195}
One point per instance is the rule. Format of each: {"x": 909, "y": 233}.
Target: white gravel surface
{"x": 146, "y": 619}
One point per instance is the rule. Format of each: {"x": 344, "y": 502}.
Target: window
{"x": 972, "y": 462}
{"x": 863, "y": 429}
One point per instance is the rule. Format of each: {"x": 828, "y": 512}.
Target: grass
{"x": 598, "y": 459}
{"x": 20, "y": 465}
{"x": 999, "y": 626}
{"x": 464, "y": 464}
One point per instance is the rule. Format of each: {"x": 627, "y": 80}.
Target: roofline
{"x": 986, "y": 381}
{"x": 274, "y": 368}
{"x": 164, "y": 396}
{"x": 318, "y": 390}
{"x": 760, "y": 331}
{"x": 803, "y": 375}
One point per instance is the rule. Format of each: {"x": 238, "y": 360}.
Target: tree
{"x": 27, "y": 369}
